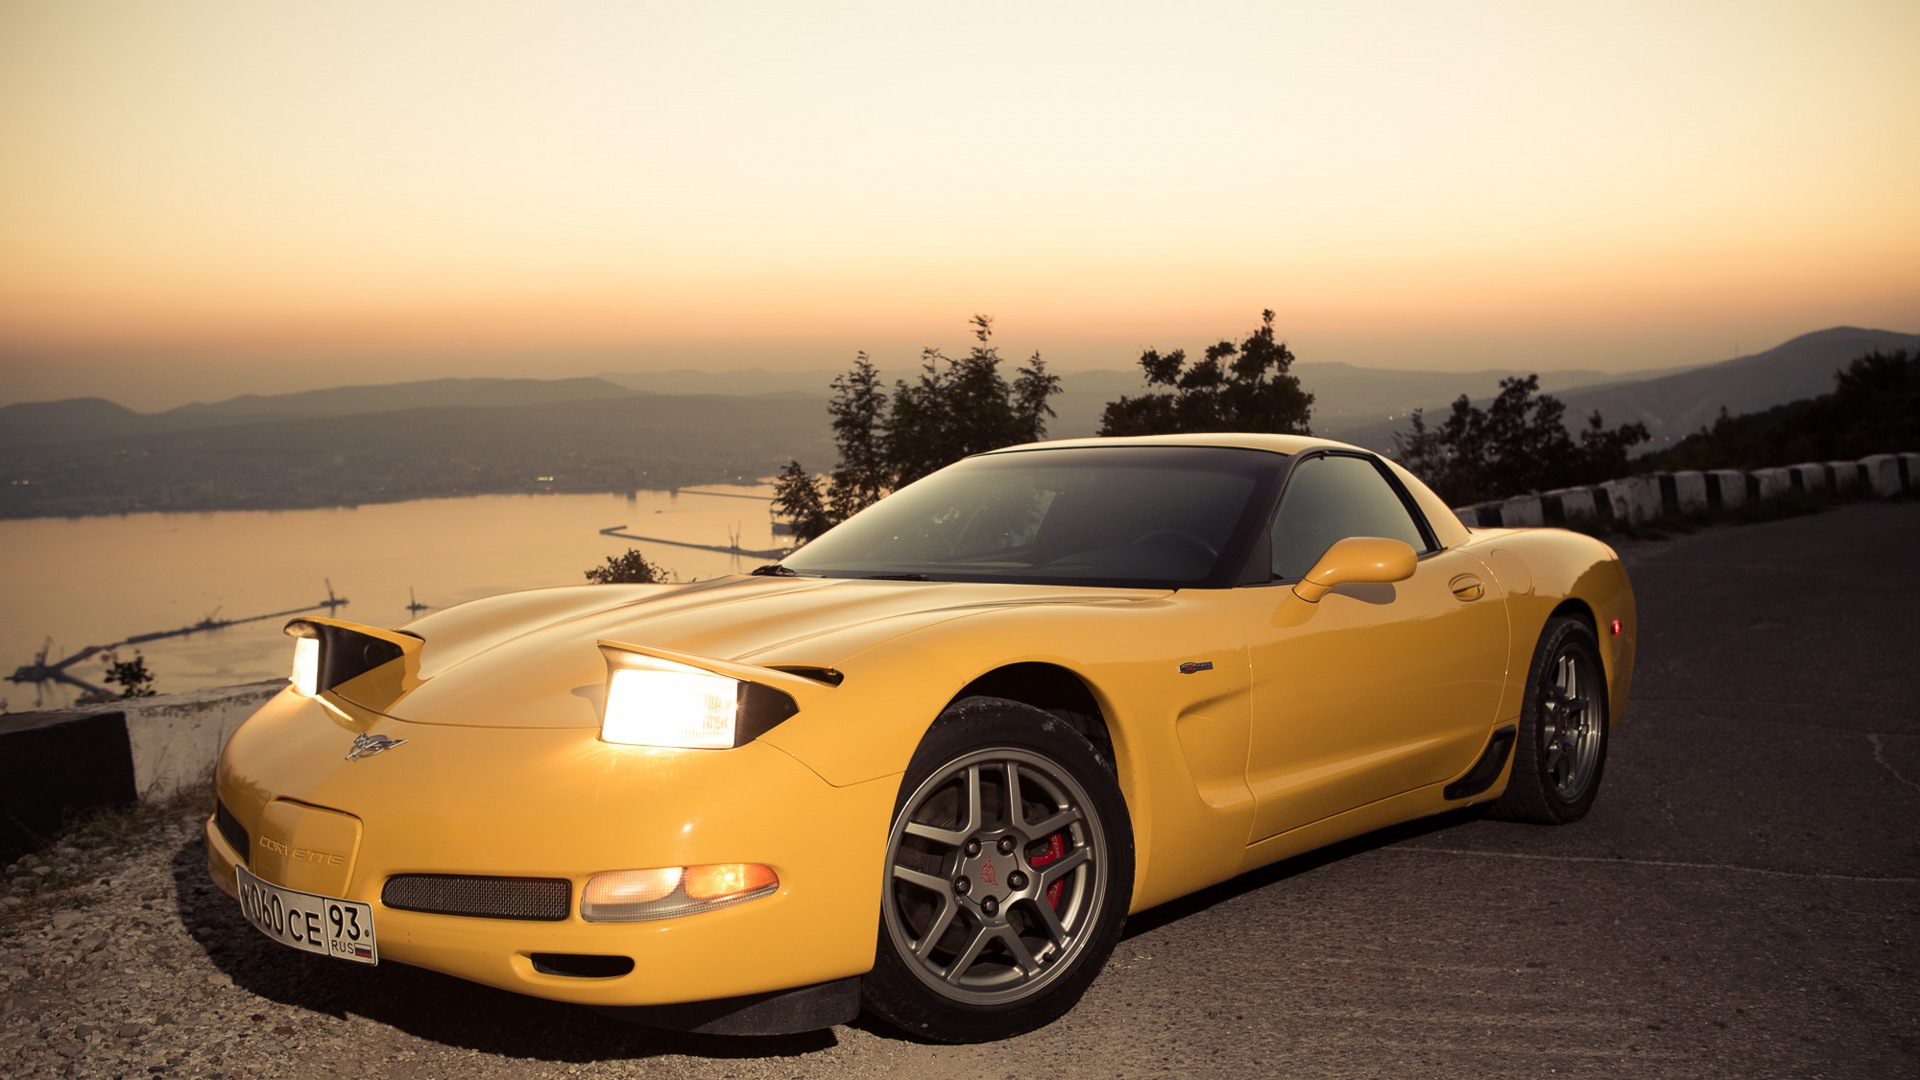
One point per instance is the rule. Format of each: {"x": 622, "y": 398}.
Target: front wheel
{"x": 1562, "y": 746}
{"x": 1009, "y": 872}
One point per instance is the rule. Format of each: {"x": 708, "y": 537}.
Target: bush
{"x": 629, "y": 569}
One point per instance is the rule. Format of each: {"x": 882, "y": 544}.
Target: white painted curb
{"x": 1644, "y": 498}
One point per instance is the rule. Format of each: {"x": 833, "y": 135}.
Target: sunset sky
{"x": 202, "y": 198}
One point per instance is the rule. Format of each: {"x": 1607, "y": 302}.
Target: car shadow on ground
{"x": 453, "y": 1012}
{"x": 428, "y": 1005}
{"x": 1255, "y": 880}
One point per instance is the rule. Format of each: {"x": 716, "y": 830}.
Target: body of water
{"x": 95, "y": 581}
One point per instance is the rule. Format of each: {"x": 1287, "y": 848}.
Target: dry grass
{"x": 78, "y": 854}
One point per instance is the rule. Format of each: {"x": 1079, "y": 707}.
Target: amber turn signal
{"x": 671, "y": 891}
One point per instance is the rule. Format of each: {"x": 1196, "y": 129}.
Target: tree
{"x": 1876, "y": 405}
{"x": 1244, "y": 387}
{"x": 864, "y": 473}
{"x": 1517, "y": 444}
{"x": 961, "y": 407}
{"x": 798, "y": 497}
{"x": 952, "y": 409}
{"x": 131, "y": 676}
{"x": 629, "y": 569}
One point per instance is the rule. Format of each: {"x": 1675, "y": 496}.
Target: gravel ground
{"x": 99, "y": 977}
{"x": 122, "y": 959}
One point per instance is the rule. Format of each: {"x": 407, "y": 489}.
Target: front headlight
{"x": 682, "y": 707}
{"x": 653, "y": 701}
{"x": 328, "y": 652}
{"x": 306, "y": 665}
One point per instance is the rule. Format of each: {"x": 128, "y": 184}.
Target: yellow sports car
{"x": 928, "y": 763}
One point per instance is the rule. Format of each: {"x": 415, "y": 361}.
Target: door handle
{"x": 1467, "y": 588}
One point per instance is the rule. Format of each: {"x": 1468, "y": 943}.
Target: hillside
{"x": 607, "y": 444}
{"x": 1675, "y": 405}
{"x": 83, "y": 419}
{"x": 654, "y": 430}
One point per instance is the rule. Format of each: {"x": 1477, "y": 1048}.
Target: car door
{"x": 1376, "y": 689}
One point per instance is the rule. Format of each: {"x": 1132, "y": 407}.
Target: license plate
{"x": 317, "y": 924}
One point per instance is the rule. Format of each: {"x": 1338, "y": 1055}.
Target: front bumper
{"x": 558, "y": 803}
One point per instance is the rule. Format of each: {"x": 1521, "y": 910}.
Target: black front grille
{"x": 232, "y": 831}
{"x": 535, "y": 899}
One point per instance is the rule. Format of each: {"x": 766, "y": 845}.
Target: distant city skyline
{"x": 214, "y": 197}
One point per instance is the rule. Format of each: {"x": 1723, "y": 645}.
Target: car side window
{"x": 1331, "y": 498}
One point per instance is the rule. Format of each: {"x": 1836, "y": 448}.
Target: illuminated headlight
{"x": 655, "y": 701}
{"x": 327, "y": 653}
{"x": 681, "y": 707}
{"x": 671, "y": 891}
{"x": 306, "y": 665}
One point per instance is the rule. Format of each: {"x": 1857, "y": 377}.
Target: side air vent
{"x": 581, "y": 965}
{"x": 533, "y": 899}
{"x": 827, "y": 675}
{"x": 1487, "y": 769}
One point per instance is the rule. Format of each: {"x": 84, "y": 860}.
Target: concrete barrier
{"x": 172, "y": 740}
{"x": 1479, "y": 515}
{"x": 1809, "y": 477}
{"x": 1645, "y": 498}
{"x": 1726, "y": 488}
{"x": 1845, "y": 475}
{"x": 1522, "y": 512}
{"x": 1688, "y": 492}
{"x": 54, "y": 765}
{"x": 1634, "y": 498}
{"x": 1693, "y": 490}
{"x": 1568, "y": 504}
{"x": 1766, "y": 483}
{"x": 1882, "y": 473}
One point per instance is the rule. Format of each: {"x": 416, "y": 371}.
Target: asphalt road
{"x": 1742, "y": 901}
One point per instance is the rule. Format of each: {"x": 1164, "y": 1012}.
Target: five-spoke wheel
{"x": 1009, "y": 868}
{"x": 1562, "y": 745}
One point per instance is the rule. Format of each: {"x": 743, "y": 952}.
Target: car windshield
{"x": 1160, "y": 516}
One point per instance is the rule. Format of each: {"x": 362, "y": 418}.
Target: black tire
{"x": 998, "y": 912}
{"x": 1561, "y": 750}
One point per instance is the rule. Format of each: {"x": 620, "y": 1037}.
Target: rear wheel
{"x": 1562, "y": 746}
{"x": 1009, "y": 872}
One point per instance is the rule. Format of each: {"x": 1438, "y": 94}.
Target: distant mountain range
{"x": 1366, "y": 406}
{"x": 660, "y": 429}
{"x": 92, "y": 457}
{"x": 81, "y": 419}
{"x": 1679, "y": 403}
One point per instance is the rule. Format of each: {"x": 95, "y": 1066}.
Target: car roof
{"x": 1446, "y": 525}
{"x": 1244, "y": 440}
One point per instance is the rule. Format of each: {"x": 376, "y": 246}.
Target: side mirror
{"x": 1357, "y": 560}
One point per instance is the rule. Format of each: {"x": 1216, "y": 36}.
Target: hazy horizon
{"x": 211, "y": 198}
{"x": 174, "y": 383}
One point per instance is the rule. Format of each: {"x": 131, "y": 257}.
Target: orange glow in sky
{"x": 210, "y": 197}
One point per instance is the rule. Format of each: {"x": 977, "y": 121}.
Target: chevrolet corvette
{"x": 927, "y": 764}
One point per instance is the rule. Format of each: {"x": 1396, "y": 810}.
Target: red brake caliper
{"x": 1055, "y": 849}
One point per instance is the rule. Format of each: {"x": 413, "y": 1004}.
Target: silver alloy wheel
{"x": 1570, "y": 725}
{"x": 997, "y": 871}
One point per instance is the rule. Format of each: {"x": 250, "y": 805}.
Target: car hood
{"x": 531, "y": 659}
